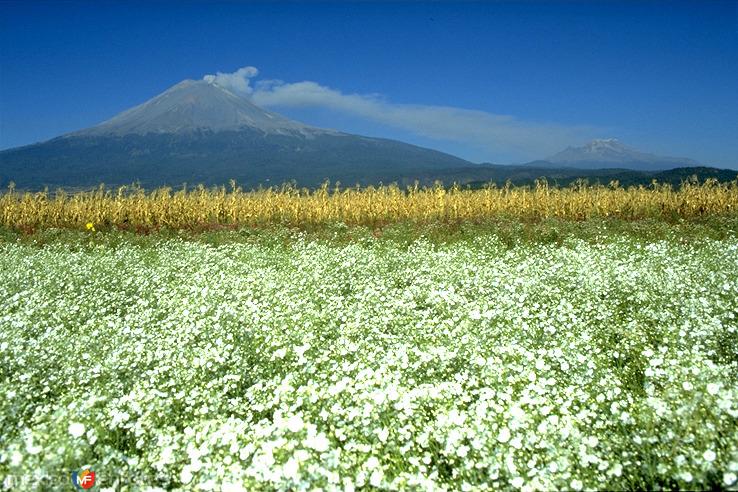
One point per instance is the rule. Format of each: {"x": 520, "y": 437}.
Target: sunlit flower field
{"x": 306, "y": 364}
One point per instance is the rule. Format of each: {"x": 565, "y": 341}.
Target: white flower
{"x": 456, "y": 418}
{"x": 119, "y": 417}
{"x": 167, "y": 455}
{"x": 383, "y": 434}
{"x": 393, "y": 371}
{"x": 504, "y": 435}
{"x": 301, "y": 349}
{"x": 291, "y": 468}
{"x": 16, "y": 459}
{"x": 348, "y": 485}
{"x": 319, "y": 442}
{"x": 76, "y": 429}
{"x": 375, "y": 480}
{"x": 729, "y": 478}
{"x": 185, "y": 475}
{"x": 31, "y": 448}
{"x": 232, "y": 487}
{"x": 295, "y": 423}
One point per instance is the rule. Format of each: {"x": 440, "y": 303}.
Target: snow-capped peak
{"x": 194, "y": 105}
{"x": 604, "y": 143}
{"x": 610, "y": 152}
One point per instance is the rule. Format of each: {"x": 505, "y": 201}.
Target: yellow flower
{"x": 90, "y": 227}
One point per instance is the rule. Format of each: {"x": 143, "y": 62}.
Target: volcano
{"x": 609, "y": 153}
{"x": 198, "y": 132}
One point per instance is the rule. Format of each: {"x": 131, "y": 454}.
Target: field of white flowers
{"x": 306, "y": 365}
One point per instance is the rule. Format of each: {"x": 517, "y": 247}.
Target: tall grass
{"x": 135, "y": 208}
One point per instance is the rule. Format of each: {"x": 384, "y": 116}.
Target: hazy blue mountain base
{"x": 248, "y": 156}
{"x": 253, "y": 158}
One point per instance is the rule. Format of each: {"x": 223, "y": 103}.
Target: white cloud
{"x": 496, "y": 134}
{"x": 237, "y": 81}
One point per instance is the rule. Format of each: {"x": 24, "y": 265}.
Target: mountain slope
{"x": 195, "y": 105}
{"x": 610, "y": 153}
{"x": 199, "y": 132}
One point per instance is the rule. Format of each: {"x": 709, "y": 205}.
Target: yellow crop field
{"x": 134, "y": 207}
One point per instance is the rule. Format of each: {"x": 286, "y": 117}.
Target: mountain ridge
{"x": 199, "y": 132}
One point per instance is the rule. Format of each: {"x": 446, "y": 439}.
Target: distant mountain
{"x": 610, "y": 153}
{"x": 200, "y": 132}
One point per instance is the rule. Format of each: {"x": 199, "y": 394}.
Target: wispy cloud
{"x": 495, "y": 133}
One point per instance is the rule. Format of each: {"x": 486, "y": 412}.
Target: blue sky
{"x": 494, "y": 81}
